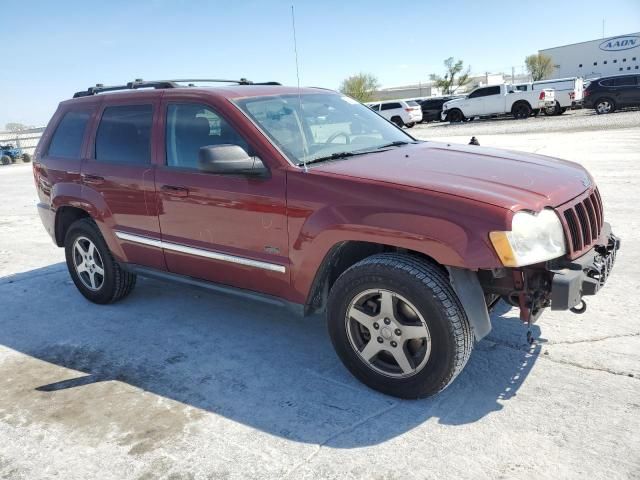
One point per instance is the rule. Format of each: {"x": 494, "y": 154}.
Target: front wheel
{"x": 397, "y": 325}
{"x": 93, "y": 269}
{"x": 455, "y": 116}
{"x": 5, "y": 159}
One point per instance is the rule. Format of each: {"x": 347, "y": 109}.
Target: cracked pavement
{"x": 180, "y": 383}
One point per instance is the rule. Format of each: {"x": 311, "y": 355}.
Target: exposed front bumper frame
{"x": 573, "y": 279}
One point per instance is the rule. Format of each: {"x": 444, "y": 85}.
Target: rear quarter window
{"x": 67, "y": 139}
{"x": 124, "y": 135}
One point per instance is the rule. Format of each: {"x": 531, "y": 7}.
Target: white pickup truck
{"x": 568, "y": 92}
{"x": 497, "y": 100}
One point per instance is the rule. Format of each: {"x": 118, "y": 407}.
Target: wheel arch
{"x": 518, "y": 103}
{"x": 66, "y": 215}
{"x": 340, "y": 258}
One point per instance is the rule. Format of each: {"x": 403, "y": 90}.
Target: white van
{"x": 569, "y": 91}
{"x": 404, "y": 113}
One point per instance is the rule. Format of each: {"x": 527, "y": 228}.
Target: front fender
{"x": 453, "y": 231}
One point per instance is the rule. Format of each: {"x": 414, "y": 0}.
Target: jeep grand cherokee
{"x": 307, "y": 198}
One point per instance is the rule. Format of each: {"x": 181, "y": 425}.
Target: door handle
{"x": 92, "y": 179}
{"x": 175, "y": 191}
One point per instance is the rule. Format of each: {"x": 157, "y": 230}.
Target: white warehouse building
{"x": 597, "y": 58}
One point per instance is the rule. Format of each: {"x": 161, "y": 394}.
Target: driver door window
{"x": 192, "y": 126}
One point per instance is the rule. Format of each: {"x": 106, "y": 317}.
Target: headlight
{"x": 533, "y": 238}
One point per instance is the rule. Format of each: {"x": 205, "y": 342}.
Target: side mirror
{"x": 228, "y": 159}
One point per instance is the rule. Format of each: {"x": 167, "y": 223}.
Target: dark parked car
{"x": 432, "y": 107}
{"x": 306, "y": 198}
{"x": 607, "y": 94}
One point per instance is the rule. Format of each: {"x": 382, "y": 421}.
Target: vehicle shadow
{"x": 251, "y": 363}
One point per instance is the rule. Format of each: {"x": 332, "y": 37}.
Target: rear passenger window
{"x": 192, "y": 126}
{"x": 67, "y": 139}
{"x": 624, "y": 82}
{"x": 124, "y": 135}
{"x": 390, "y": 106}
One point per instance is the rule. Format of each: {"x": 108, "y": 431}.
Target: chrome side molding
{"x": 199, "y": 252}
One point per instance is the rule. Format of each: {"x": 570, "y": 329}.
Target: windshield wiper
{"x": 338, "y": 155}
{"x": 333, "y": 156}
{"x": 397, "y": 143}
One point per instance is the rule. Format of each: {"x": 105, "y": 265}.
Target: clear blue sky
{"x": 52, "y": 48}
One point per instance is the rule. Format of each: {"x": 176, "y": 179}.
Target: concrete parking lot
{"x": 180, "y": 383}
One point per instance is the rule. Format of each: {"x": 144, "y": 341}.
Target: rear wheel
{"x": 398, "y": 327}
{"x": 410, "y": 125}
{"x": 93, "y": 269}
{"x": 398, "y": 121}
{"x": 26, "y": 158}
{"x": 521, "y": 111}
{"x": 605, "y": 105}
{"x": 554, "y": 110}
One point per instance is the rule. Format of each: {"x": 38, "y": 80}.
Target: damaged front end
{"x": 560, "y": 284}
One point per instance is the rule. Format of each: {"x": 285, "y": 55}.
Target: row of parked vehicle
{"x": 551, "y": 97}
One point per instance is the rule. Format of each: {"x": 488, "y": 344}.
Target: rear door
{"x": 391, "y": 109}
{"x": 626, "y": 90}
{"x": 118, "y": 177}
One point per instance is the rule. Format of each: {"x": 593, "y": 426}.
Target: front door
{"x": 117, "y": 177}
{"x": 228, "y": 229}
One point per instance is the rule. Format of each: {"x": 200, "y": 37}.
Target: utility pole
{"x": 513, "y": 75}
{"x": 603, "y": 28}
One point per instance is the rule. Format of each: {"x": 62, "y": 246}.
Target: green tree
{"x": 539, "y": 66}
{"x": 455, "y": 76}
{"x": 361, "y": 87}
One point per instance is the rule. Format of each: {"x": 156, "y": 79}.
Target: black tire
{"x": 535, "y": 112}
{"x": 5, "y": 160}
{"x": 410, "y": 125}
{"x": 455, "y": 116}
{"x": 521, "y": 111}
{"x": 604, "y": 105}
{"x": 398, "y": 121}
{"x": 26, "y": 158}
{"x": 552, "y": 111}
{"x": 563, "y": 110}
{"x": 116, "y": 284}
{"x": 427, "y": 287}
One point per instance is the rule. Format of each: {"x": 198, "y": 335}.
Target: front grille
{"x": 583, "y": 222}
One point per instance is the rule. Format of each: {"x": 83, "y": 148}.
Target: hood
{"x": 508, "y": 179}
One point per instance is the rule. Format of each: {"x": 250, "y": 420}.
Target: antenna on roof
{"x": 295, "y": 49}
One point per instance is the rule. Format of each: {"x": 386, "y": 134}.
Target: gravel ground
{"x": 178, "y": 383}
{"x": 571, "y": 121}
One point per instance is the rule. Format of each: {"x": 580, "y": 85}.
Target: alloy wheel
{"x": 604, "y": 106}
{"x": 388, "y": 333}
{"x": 88, "y": 263}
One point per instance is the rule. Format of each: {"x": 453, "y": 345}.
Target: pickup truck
{"x": 497, "y": 100}
{"x": 567, "y": 91}
{"x": 306, "y": 198}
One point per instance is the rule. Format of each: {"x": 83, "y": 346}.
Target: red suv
{"x": 307, "y": 198}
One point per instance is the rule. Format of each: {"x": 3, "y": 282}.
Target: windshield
{"x": 317, "y": 125}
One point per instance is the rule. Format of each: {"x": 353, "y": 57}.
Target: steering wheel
{"x": 346, "y": 136}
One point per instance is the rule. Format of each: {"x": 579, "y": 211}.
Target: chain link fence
{"x": 24, "y": 139}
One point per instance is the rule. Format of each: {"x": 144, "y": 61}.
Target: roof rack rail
{"x": 139, "y": 83}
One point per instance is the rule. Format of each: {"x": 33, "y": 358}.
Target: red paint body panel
{"x": 437, "y": 199}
